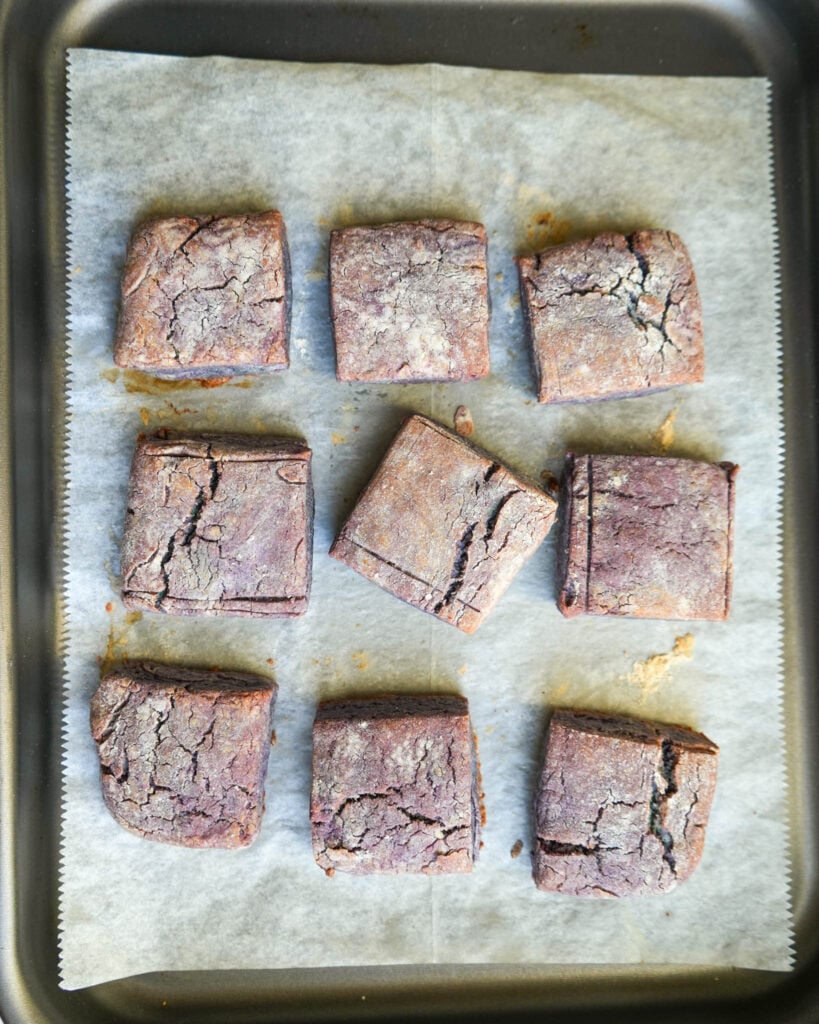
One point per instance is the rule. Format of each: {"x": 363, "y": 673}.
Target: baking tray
{"x": 779, "y": 40}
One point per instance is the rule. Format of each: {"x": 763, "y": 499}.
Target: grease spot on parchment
{"x": 559, "y": 692}
{"x": 344, "y": 217}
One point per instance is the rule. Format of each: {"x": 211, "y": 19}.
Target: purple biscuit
{"x": 646, "y": 537}
{"x": 205, "y": 297}
{"x": 218, "y": 525}
{"x": 612, "y": 316}
{"x": 621, "y": 806}
{"x": 183, "y": 752}
{"x": 443, "y": 526}
{"x": 395, "y": 786}
{"x": 410, "y": 301}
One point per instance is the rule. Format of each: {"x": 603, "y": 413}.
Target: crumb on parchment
{"x": 649, "y": 673}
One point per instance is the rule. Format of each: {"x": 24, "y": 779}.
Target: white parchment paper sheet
{"x": 537, "y": 159}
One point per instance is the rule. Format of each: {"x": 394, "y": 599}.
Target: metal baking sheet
{"x": 778, "y": 42}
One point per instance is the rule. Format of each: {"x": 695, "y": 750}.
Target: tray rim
{"x": 16, "y": 977}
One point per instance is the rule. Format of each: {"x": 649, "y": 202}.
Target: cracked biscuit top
{"x": 621, "y": 805}
{"x": 410, "y": 301}
{"x": 183, "y": 752}
{"x": 205, "y": 297}
{"x": 646, "y": 536}
{"x": 218, "y": 525}
{"x": 443, "y": 525}
{"x": 612, "y": 316}
{"x": 395, "y": 786}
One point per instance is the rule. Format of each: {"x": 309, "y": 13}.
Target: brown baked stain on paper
{"x": 138, "y": 383}
{"x": 545, "y": 229}
{"x": 169, "y": 409}
{"x": 118, "y": 636}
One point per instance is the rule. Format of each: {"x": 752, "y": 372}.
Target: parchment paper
{"x": 537, "y": 159}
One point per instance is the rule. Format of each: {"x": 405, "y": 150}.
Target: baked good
{"x": 621, "y": 805}
{"x": 646, "y": 536}
{"x": 218, "y": 525}
{"x": 395, "y": 785}
{"x": 183, "y": 752}
{"x": 410, "y": 301}
{"x": 205, "y": 297}
{"x": 443, "y": 525}
{"x": 612, "y": 316}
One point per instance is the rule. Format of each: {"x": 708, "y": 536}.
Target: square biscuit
{"x": 205, "y": 297}
{"x": 410, "y": 301}
{"x": 395, "y": 786}
{"x": 612, "y": 316}
{"x": 645, "y": 536}
{"x": 444, "y": 526}
{"x": 183, "y": 752}
{"x": 621, "y": 805}
{"x": 218, "y": 525}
